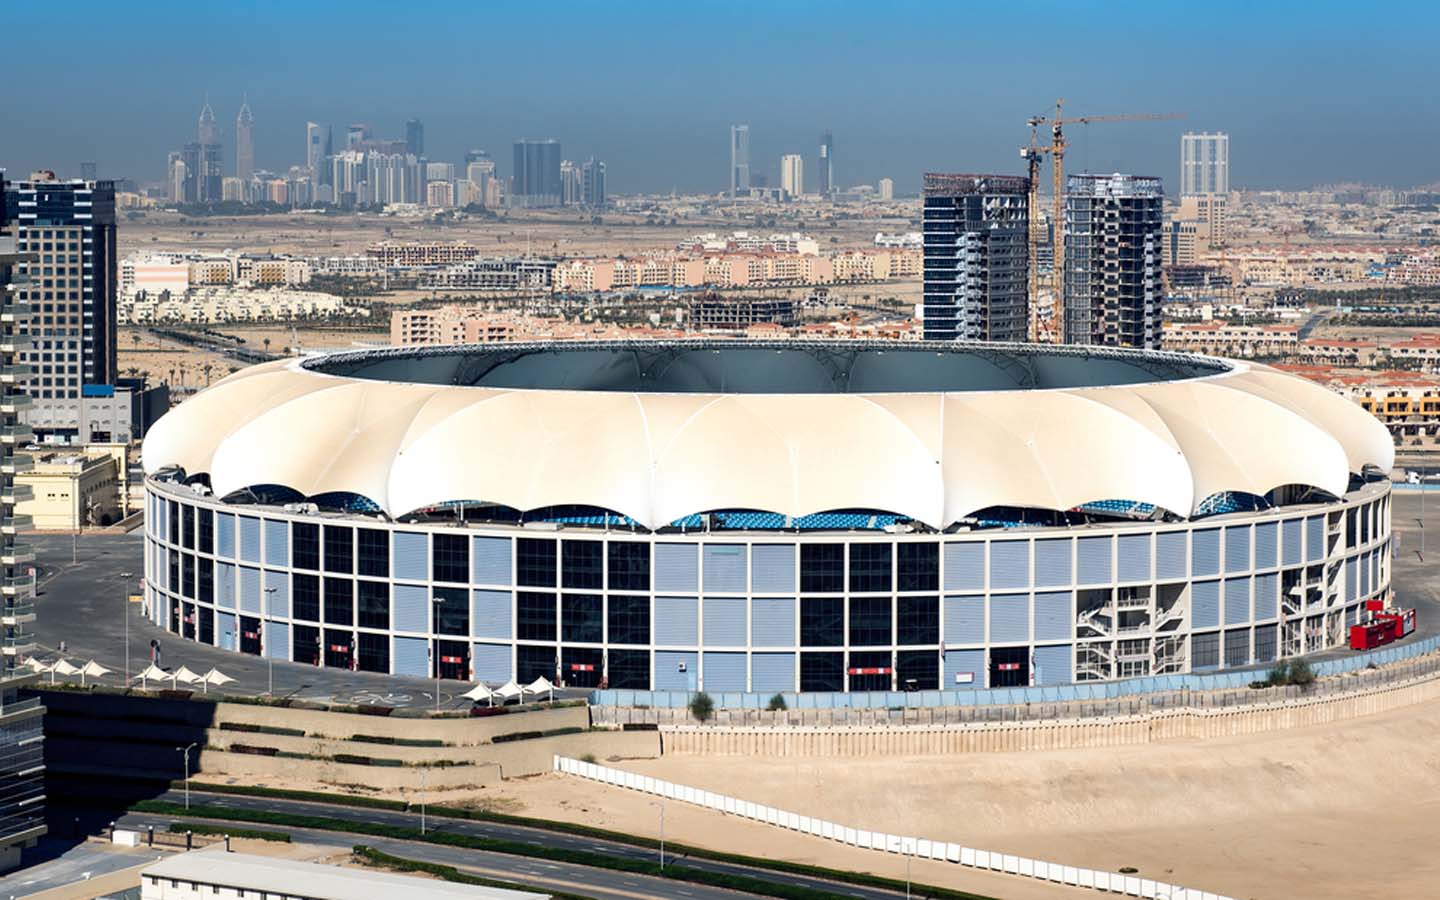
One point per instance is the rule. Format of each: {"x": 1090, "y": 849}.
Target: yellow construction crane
{"x": 1056, "y": 148}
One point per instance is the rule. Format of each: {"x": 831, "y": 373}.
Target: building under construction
{"x": 716, "y": 312}
{"x": 977, "y": 257}
{"x": 1113, "y": 247}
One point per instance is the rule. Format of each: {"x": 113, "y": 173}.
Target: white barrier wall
{"x": 940, "y": 851}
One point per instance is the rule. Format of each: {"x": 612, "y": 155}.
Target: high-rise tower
{"x": 537, "y": 181}
{"x": 415, "y": 138}
{"x": 739, "y": 159}
{"x": 1113, "y": 247}
{"x": 827, "y": 164}
{"x": 206, "y": 132}
{"x": 22, "y": 755}
{"x": 1204, "y": 163}
{"x": 209, "y": 159}
{"x": 72, "y": 288}
{"x": 792, "y": 175}
{"x": 977, "y": 257}
{"x": 244, "y": 142}
{"x": 592, "y": 177}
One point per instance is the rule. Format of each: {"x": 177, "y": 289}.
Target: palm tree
{"x": 266, "y": 342}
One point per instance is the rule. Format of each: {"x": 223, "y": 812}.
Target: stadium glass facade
{"x": 765, "y": 610}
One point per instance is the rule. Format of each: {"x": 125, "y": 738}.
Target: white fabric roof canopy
{"x": 656, "y": 457}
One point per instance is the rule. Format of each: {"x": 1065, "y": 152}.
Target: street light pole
{"x": 186, "y": 751}
{"x": 423, "y": 773}
{"x": 661, "y": 806}
{"x": 265, "y": 639}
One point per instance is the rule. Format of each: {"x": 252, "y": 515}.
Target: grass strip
{"x": 676, "y": 872}
{"x": 863, "y": 879}
{"x": 254, "y": 834}
{"x": 372, "y": 857}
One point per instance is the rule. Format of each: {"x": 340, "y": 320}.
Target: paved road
{"x": 580, "y": 875}
{"x": 83, "y": 587}
{"x": 601, "y": 884}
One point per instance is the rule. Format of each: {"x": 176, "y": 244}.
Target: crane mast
{"x": 1032, "y": 153}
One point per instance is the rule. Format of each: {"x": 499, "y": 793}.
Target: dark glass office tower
{"x": 537, "y": 180}
{"x": 1113, "y": 246}
{"x": 415, "y": 137}
{"x": 977, "y": 257}
{"x": 68, "y": 227}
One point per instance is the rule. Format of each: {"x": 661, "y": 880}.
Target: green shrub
{"x": 261, "y": 729}
{"x": 516, "y": 736}
{"x": 702, "y": 707}
{"x": 1279, "y": 675}
{"x": 1301, "y": 673}
{"x": 254, "y": 834}
{"x": 777, "y": 703}
{"x": 396, "y": 741}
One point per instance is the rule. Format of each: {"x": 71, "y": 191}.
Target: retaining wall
{"x": 1058, "y": 734}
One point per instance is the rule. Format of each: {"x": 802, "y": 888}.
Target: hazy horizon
{"x": 1309, "y": 93}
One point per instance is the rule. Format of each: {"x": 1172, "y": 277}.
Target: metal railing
{"x": 1118, "y": 707}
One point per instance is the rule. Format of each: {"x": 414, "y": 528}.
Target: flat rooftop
{"x": 313, "y": 881}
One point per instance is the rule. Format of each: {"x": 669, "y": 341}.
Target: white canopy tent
{"x": 92, "y": 669}
{"x": 151, "y": 671}
{"x": 215, "y": 677}
{"x": 62, "y": 667}
{"x": 183, "y": 674}
{"x": 508, "y": 690}
{"x": 480, "y": 692}
{"x": 541, "y": 685}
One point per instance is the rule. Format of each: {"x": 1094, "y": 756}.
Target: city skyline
{"x": 669, "y": 133}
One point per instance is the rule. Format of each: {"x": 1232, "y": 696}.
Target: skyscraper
{"x": 244, "y": 142}
{"x": 592, "y": 176}
{"x": 792, "y": 174}
{"x": 207, "y": 132}
{"x": 479, "y": 171}
{"x": 415, "y": 138}
{"x": 1113, "y": 248}
{"x": 739, "y": 160}
{"x": 827, "y": 164}
{"x": 72, "y": 288}
{"x": 205, "y": 160}
{"x": 977, "y": 257}
{"x": 22, "y": 755}
{"x": 537, "y": 174}
{"x": 177, "y": 177}
{"x": 887, "y": 189}
{"x": 1204, "y": 163}
{"x": 569, "y": 183}
{"x": 191, "y": 156}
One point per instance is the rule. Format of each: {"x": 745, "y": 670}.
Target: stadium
{"x": 767, "y": 516}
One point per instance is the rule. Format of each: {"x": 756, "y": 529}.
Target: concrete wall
{"x": 1070, "y": 734}
{"x": 111, "y": 734}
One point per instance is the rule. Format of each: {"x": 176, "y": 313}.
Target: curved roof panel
{"x": 644, "y": 431}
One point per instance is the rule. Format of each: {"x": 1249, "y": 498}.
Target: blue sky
{"x": 1309, "y": 92}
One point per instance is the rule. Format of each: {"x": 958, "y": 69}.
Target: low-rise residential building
{"x": 70, "y": 490}
{"x": 212, "y": 305}
{"x": 512, "y": 273}
{"x": 393, "y": 254}
{"x": 1223, "y": 339}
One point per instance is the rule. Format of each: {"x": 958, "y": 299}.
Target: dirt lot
{"x": 565, "y": 233}
{"x": 1338, "y": 811}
